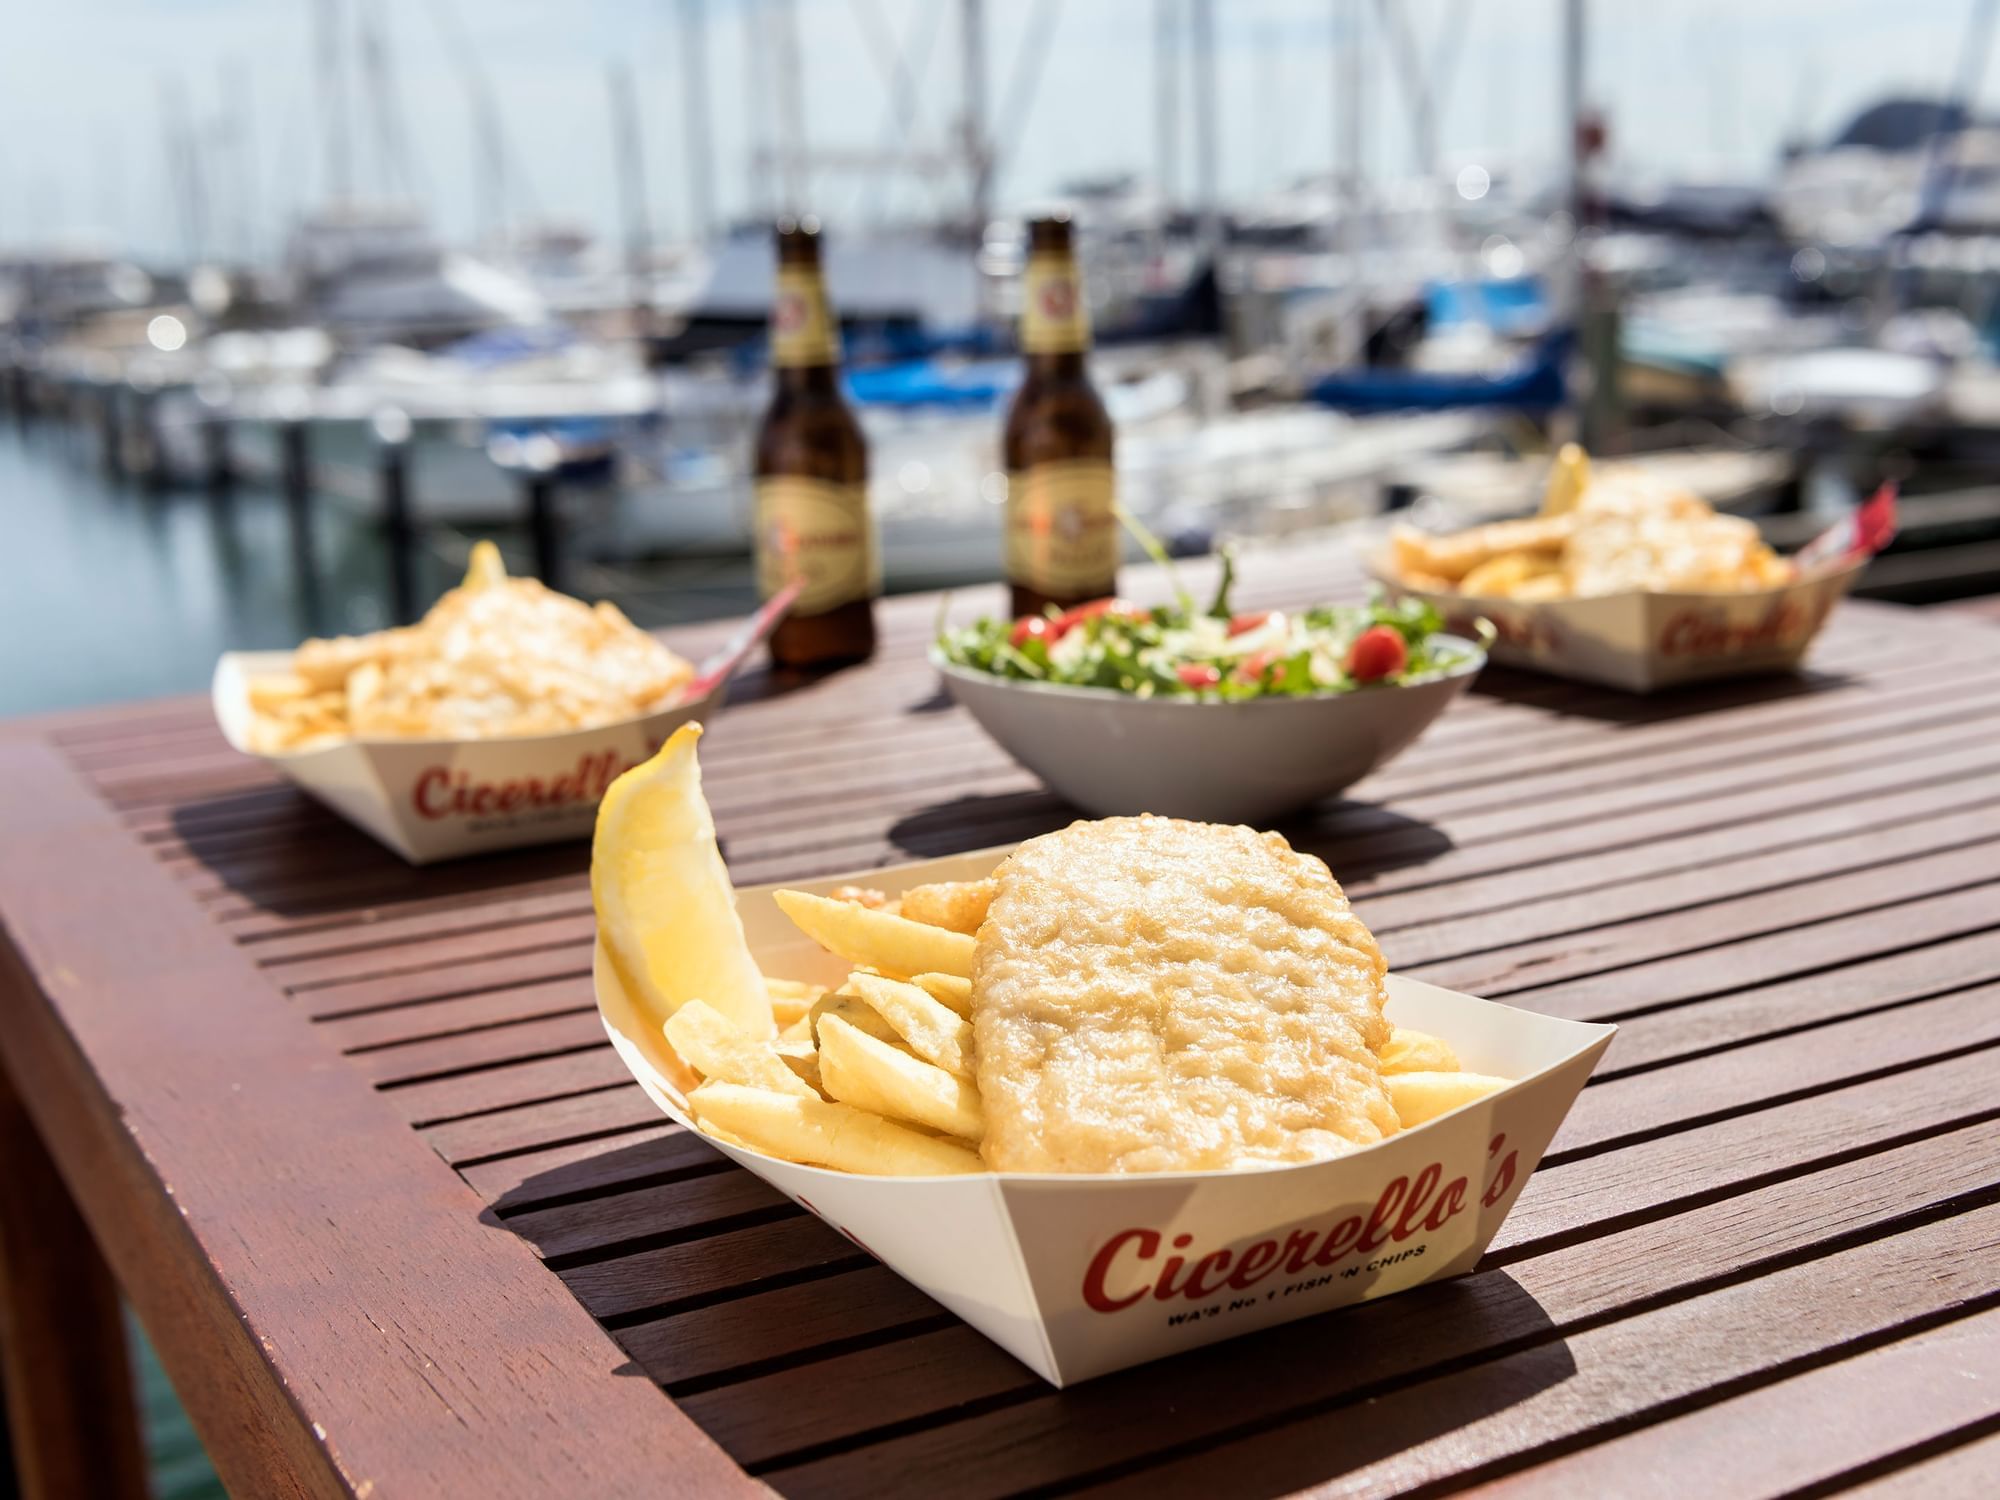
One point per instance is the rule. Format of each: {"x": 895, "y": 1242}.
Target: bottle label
{"x": 803, "y": 332}
{"x": 1062, "y": 533}
{"x": 819, "y": 533}
{"x": 1053, "y": 317}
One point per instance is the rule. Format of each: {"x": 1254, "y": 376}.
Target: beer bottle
{"x": 811, "y": 472}
{"x": 1061, "y": 534}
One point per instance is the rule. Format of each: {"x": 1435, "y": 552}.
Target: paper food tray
{"x": 439, "y": 799}
{"x": 1644, "y": 641}
{"x": 1080, "y": 1275}
{"x": 442, "y": 798}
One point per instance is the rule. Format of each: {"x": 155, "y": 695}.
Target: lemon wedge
{"x": 666, "y": 913}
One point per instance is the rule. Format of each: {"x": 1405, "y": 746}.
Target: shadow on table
{"x": 1356, "y": 839}
{"x": 1584, "y": 700}
{"x": 284, "y": 853}
{"x": 1290, "y": 1406}
{"x": 1377, "y": 1402}
{"x": 975, "y": 822}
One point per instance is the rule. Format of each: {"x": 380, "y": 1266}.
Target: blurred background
{"x": 299, "y": 297}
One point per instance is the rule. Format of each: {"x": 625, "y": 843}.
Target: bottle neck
{"x": 804, "y": 335}
{"x": 806, "y": 380}
{"x": 1054, "y": 320}
{"x": 1056, "y": 368}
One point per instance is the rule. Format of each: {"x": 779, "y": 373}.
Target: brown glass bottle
{"x": 1061, "y": 529}
{"x": 811, "y": 470}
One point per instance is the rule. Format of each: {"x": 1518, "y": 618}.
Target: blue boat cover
{"x": 1534, "y": 383}
{"x": 953, "y": 384}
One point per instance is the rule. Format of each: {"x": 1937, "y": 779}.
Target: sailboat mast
{"x": 237, "y": 107}
{"x": 629, "y": 152}
{"x": 332, "y": 70}
{"x": 978, "y": 156}
{"x": 1572, "y": 98}
{"x": 791, "y": 107}
{"x": 1166, "y": 101}
{"x": 1206, "y": 163}
{"x": 1351, "y": 89}
{"x": 698, "y": 127}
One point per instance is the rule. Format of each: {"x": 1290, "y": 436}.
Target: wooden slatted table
{"x": 350, "y": 1138}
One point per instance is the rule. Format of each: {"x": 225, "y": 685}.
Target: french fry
{"x": 959, "y": 905}
{"x": 271, "y": 692}
{"x": 801, "y": 1055}
{"x": 791, "y": 999}
{"x": 860, "y": 1070}
{"x": 948, "y": 989}
{"x": 825, "y": 1134}
{"x": 727, "y": 1137}
{"x": 1418, "y": 1052}
{"x": 1502, "y": 576}
{"x": 1568, "y": 479}
{"x": 800, "y": 1029}
{"x": 934, "y": 1032}
{"x": 895, "y": 945}
{"x": 850, "y": 1009}
{"x": 716, "y": 1047}
{"x": 484, "y": 568}
{"x": 1420, "y": 1097}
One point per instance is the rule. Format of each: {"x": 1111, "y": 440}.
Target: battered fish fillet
{"x": 1151, "y": 995}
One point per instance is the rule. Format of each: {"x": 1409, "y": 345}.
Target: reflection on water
{"x": 112, "y": 592}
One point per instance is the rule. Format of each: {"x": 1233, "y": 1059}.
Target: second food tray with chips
{"x": 496, "y": 721}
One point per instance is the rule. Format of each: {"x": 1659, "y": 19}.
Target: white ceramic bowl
{"x": 1249, "y": 762}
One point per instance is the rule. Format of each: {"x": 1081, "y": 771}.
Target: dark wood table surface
{"x": 349, "y": 1137}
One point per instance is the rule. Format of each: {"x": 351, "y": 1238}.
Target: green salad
{"x": 1179, "y": 651}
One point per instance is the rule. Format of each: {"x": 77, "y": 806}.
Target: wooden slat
{"x": 535, "y": 1127}
{"x": 1812, "y": 1429}
{"x": 1958, "y": 1468}
{"x": 465, "y": 1052}
{"x": 1664, "y": 1036}
{"x": 462, "y": 1014}
{"x": 1502, "y": 971}
{"x": 1822, "y": 947}
{"x": 508, "y": 1086}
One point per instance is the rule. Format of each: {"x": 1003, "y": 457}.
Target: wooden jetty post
{"x": 542, "y": 528}
{"x": 392, "y": 435}
{"x": 295, "y": 467}
{"x": 111, "y": 423}
{"x": 539, "y": 461}
{"x": 151, "y": 450}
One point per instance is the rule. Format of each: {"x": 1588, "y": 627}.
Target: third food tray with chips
{"x": 1634, "y": 583}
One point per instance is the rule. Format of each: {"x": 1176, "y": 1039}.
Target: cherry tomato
{"x": 1244, "y": 624}
{"x": 1030, "y": 628}
{"x": 1253, "y": 667}
{"x": 1377, "y": 652}
{"x": 1069, "y": 619}
{"x": 1198, "y": 674}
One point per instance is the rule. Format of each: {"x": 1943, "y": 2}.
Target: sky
{"x": 94, "y": 94}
